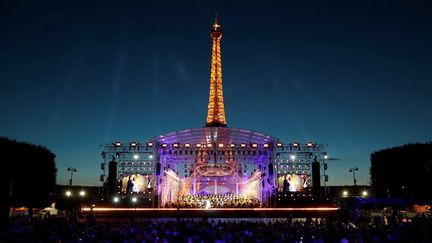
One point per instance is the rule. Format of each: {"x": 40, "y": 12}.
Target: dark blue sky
{"x": 355, "y": 75}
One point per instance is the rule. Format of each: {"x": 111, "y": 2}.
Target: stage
{"x": 294, "y": 212}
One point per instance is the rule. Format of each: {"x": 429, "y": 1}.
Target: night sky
{"x": 354, "y": 75}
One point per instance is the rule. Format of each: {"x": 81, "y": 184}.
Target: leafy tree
{"x": 27, "y": 174}
{"x": 403, "y": 172}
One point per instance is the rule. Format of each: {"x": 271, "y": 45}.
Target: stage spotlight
{"x": 68, "y": 193}
{"x": 118, "y": 144}
{"x": 345, "y": 193}
{"x": 136, "y": 156}
{"x": 82, "y": 193}
{"x": 221, "y": 145}
{"x": 209, "y": 145}
{"x": 292, "y": 157}
{"x": 133, "y": 144}
{"x": 150, "y": 144}
{"x": 232, "y": 145}
{"x": 134, "y": 199}
{"x": 243, "y": 145}
{"x": 325, "y": 156}
{"x": 151, "y": 156}
{"x": 279, "y": 145}
{"x": 116, "y": 199}
{"x": 198, "y": 145}
{"x": 310, "y": 144}
{"x": 266, "y": 145}
{"x": 254, "y": 145}
{"x": 176, "y": 145}
{"x": 296, "y": 144}
{"x": 187, "y": 145}
{"x": 164, "y": 145}
{"x": 364, "y": 193}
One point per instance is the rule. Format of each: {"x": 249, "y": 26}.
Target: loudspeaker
{"x": 155, "y": 201}
{"x": 316, "y": 178}
{"x": 270, "y": 169}
{"x": 112, "y": 178}
{"x": 158, "y": 168}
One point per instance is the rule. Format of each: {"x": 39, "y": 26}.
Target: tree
{"x": 403, "y": 172}
{"x": 28, "y": 173}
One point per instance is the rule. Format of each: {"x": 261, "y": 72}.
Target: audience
{"x": 75, "y": 229}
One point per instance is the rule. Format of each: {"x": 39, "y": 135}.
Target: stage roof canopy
{"x": 215, "y": 135}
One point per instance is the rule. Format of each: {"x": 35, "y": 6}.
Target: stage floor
{"x": 112, "y": 212}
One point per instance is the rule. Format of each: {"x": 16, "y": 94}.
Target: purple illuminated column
{"x": 194, "y": 185}
{"x": 215, "y": 186}
{"x": 237, "y": 189}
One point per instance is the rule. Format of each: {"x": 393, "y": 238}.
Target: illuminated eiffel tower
{"x": 216, "y": 111}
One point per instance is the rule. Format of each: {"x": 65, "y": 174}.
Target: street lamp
{"x": 353, "y": 170}
{"x": 72, "y": 170}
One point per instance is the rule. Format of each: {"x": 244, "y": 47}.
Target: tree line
{"x": 403, "y": 172}
{"x": 27, "y": 174}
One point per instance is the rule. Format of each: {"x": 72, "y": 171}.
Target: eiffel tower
{"x": 216, "y": 111}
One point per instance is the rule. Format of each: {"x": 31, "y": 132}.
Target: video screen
{"x": 137, "y": 183}
{"x": 292, "y": 183}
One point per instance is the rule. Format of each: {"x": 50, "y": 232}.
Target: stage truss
{"x": 242, "y": 170}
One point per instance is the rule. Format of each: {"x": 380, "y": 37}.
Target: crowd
{"x": 57, "y": 229}
{"x": 214, "y": 201}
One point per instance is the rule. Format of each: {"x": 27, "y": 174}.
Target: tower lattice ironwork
{"x": 216, "y": 111}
